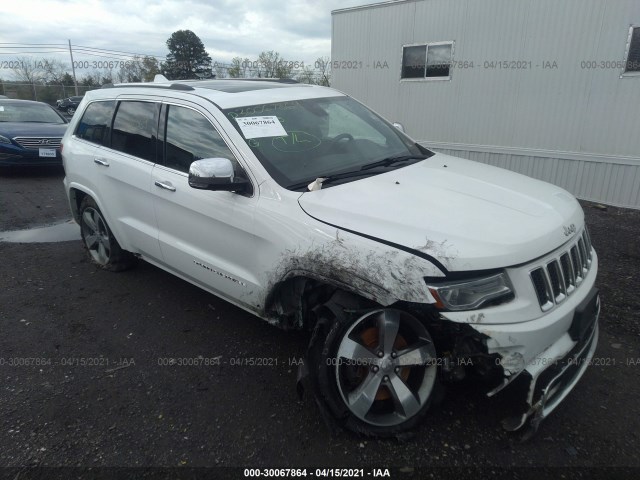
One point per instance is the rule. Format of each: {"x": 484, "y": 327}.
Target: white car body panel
{"x": 379, "y": 237}
{"x": 441, "y": 206}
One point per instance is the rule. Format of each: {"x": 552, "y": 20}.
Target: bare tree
{"x": 273, "y": 65}
{"x": 307, "y": 75}
{"x": 131, "y": 71}
{"x": 220, "y": 70}
{"x": 234, "y": 70}
{"x": 55, "y": 71}
{"x": 29, "y": 71}
{"x": 323, "y": 65}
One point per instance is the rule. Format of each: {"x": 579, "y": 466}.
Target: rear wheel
{"x": 103, "y": 248}
{"x": 376, "y": 373}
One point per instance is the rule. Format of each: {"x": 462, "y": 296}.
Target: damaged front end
{"x": 547, "y": 379}
{"x": 545, "y": 336}
{"x": 534, "y": 385}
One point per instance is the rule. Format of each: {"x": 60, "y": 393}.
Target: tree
{"x": 150, "y": 68}
{"x": 220, "y": 70}
{"x": 55, "y": 70}
{"x": 28, "y": 70}
{"x": 235, "y": 69}
{"x": 67, "y": 80}
{"x": 131, "y": 71}
{"x": 89, "y": 81}
{"x": 273, "y": 65}
{"x": 323, "y": 64}
{"x": 187, "y": 58}
{"x": 240, "y": 68}
{"x": 307, "y": 75}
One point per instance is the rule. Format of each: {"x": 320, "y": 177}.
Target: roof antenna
{"x": 160, "y": 79}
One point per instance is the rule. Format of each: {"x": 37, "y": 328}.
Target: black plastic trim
{"x": 163, "y": 86}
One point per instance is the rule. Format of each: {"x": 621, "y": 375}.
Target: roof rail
{"x": 172, "y": 86}
{"x": 275, "y": 80}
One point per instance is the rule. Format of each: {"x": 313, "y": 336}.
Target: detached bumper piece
{"x": 546, "y": 381}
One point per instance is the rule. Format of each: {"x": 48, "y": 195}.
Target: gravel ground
{"x": 103, "y": 396}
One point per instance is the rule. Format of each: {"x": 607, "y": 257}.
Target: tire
{"x": 102, "y": 247}
{"x": 71, "y": 111}
{"x": 373, "y": 384}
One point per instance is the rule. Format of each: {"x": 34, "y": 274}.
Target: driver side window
{"x": 190, "y": 137}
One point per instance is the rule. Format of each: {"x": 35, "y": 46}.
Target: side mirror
{"x": 216, "y": 174}
{"x": 399, "y": 126}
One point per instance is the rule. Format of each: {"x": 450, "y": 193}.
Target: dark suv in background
{"x": 70, "y": 104}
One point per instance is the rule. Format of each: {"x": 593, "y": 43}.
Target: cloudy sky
{"x": 298, "y": 29}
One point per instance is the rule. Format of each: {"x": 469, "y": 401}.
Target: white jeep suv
{"x": 410, "y": 269}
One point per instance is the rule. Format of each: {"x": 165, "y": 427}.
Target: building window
{"x": 413, "y": 61}
{"x": 633, "y": 51}
{"x": 429, "y": 61}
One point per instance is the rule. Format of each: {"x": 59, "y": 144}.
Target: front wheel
{"x": 377, "y": 373}
{"x": 103, "y": 248}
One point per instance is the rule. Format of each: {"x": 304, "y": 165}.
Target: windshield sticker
{"x": 258, "y": 127}
{"x": 296, "y": 141}
{"x": 1, "y": 108}
{"x": 258, "y": 109}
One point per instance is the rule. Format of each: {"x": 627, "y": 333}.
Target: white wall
{"x": 559, "y": 124}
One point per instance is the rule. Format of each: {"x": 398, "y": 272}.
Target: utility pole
{"x": 73, "y": 68}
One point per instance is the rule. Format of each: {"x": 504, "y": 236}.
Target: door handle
{"x": 165, "y": 185}
{"x": 101, "y": 161}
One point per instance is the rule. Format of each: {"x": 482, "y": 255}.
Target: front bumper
{"x": 10, "y": 155}
{"x": 543, "y": 358}
{"x": 549, "y": 377}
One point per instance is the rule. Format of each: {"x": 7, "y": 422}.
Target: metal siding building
{"x": 558, "y": 119}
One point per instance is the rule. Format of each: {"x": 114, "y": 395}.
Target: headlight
{"x": 472, "y": 294}
{"x": 4, "y": 139}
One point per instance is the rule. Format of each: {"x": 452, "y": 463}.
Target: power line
{"x": 34, "y": 44}
{"x": 110, "y": 55}
{"x": 116, "y": 51}
{"x": 102, "y": 54}
{"x": 63, "y": 48}
{"x": 29, "y": 53}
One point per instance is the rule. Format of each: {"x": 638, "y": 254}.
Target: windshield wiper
{"x": 387, "y": 162}
{"x": 361, "y": 172}
{"x": 318, "y": 182}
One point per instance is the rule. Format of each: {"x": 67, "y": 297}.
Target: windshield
{"x": 301, "y": 140}
{"x": 28, "y": 112}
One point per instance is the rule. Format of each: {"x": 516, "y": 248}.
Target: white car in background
{"x": 410, "y": 269}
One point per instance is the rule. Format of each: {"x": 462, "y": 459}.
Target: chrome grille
{"x": 559, "y": 278}
{"x": 38, "y": 142}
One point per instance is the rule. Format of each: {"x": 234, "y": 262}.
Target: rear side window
{"x": 96, "y": 122}
{"x": 134, "y": 129}
{"x": 190, "y": 137}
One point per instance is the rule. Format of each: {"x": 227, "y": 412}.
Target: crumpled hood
{"x": 21, "y": 129}
{"x": 467, "y": 215}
